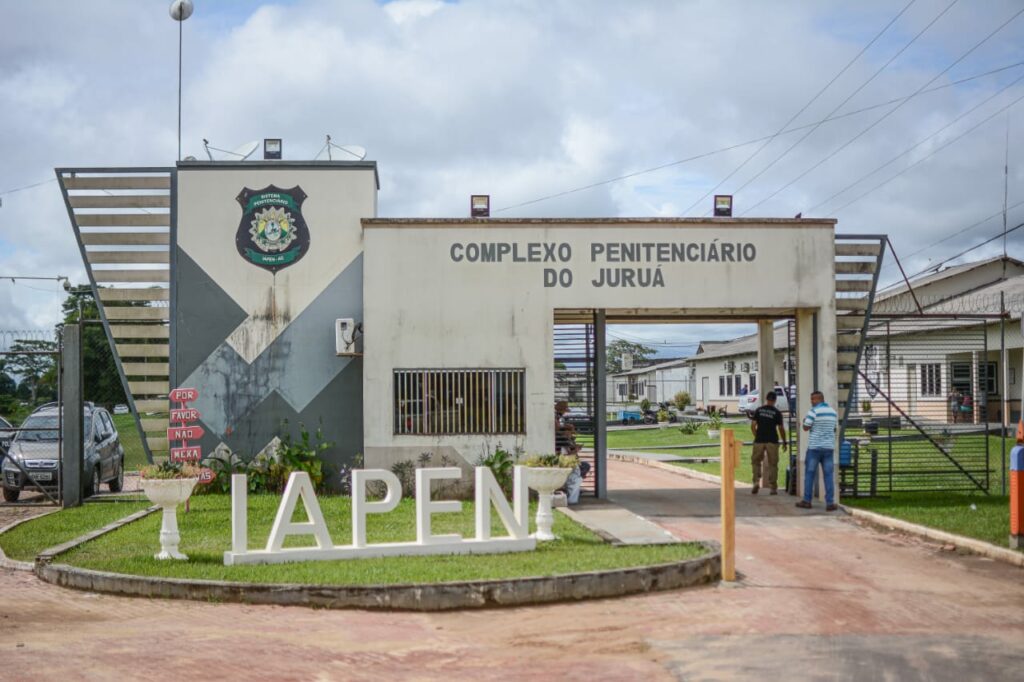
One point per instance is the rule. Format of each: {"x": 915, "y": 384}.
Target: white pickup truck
{"x": 751, "y": 401}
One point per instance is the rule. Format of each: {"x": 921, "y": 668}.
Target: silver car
{"x": 35, "y": 448}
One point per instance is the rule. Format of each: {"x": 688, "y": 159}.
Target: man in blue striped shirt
{"x": 820, "y": 423}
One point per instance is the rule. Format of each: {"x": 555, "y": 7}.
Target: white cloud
{"x": 519, "y": 100}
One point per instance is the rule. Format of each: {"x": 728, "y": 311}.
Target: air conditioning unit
{"x": 627, "y": 362}
{"x": 745, "y": 367}
{"x": 345, "y": 330}
{"x": 755, "y": 366}
{"x": 728, "y": 365}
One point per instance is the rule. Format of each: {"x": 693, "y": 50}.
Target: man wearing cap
{"x": 820, "y": 423}
{"x": 767, "y": 426}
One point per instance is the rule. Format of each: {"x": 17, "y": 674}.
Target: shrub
{"x": 663, "y": 415}
{"x": 502, "y": 464}
{"x": 168, "y": 470}
{"x": 689, "y": 427}
{"x": 682, "y": 400}
{"x": 645, "y": 404}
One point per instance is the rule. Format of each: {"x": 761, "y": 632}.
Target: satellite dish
{"x": 244, "y": 151}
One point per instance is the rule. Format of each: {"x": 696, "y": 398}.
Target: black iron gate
{"x": 574, "y": 382}
{"x": 926, "y": 407}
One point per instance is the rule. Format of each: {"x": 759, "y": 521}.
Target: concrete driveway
{"x": 821, "y": 599}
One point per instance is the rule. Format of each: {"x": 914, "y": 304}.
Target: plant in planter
{"x": 714, "y": 425}
{"x": 546, "y": 474}
{"x": 167, "y": 485}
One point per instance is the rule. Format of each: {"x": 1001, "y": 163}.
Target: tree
{"x": 7, "y": 384}
{"x": 30, "y": 360}
{"x": 619, "y": 347}
{"x": 100, "y": 379}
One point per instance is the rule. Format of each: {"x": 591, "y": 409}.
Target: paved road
{"x": 821, "y": 598}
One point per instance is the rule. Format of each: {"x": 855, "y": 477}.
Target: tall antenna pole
{"x": 1006, "y": 184}
{"x": 180, "y": 11}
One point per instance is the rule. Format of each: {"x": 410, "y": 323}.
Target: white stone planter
{"x": 714, "y": 433}
{"x": 545, "y": 480}
{"x": 168, "y": 493}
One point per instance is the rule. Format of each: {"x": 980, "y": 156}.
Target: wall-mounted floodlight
{"x": 272, "y": 148}
{"x": 480, "y": 206}
{"x": 723, "y": 205}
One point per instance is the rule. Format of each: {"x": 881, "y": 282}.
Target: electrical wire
{"x": 932, "y": 153}
{"x": 886, "y": 114}
{"x": 918, "y": 144}
{"x": 848, "y": 97}
{"x": 24, "y": 187}
{"x": 803, "y": 108}
{"x": 759, "y": 139}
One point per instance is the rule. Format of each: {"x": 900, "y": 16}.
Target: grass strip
{"x": 24, "y": 542}
{"x": 206, "y": 532}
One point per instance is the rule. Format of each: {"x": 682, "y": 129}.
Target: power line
{"x": 803, "y": 108}
{"x": 964, "y": 252}
{"x": 915, "y": 146}
{"x": 888, "y": 113}
{"x": 24, "y": 187}
{"x": 932, "y": 153}
{"x": 755, "y": 141}
{"x": 849, "y": 97}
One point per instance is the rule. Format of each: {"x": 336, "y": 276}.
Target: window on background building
{"x": 728, "y": 385}
{"x": 738, "y": 383}
{"x": 960, "y": 377}
{"x": 459, "y": 401}
{"x": 988, "y": 376}
{"x": 753, "y": 382}
{"x": 721, "y": 385}
{"x": 931, "y": 379}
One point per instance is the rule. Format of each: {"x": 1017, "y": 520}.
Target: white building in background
{"x": 722, "y": 369}
{"x": 659, "y": 382}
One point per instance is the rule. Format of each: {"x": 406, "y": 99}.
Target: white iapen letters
{"x": 513, "y": 517}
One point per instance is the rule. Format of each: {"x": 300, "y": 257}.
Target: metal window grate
{"x": 459, "y": 401}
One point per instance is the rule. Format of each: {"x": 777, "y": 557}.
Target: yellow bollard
{"x": 729, "y": 460}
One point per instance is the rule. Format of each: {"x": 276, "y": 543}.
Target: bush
{"x": 268, "y": 472}
{"x": 662, "y": 415}
{"x": 553, "y": 461}
{"x": 689, "y": 428}
{"x": 682, "y": 400}
{"x": 502, "y": 464}
{"x": 645, "y": 405}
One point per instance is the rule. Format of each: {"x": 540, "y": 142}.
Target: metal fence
{"x": 31, "y": 417}
{"x": 927, "y": 407}
{"x": 575, "y": 348}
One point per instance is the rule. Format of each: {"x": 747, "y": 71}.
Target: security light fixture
{"x": 723, "y": 205}
{"x": 272, "y": 148}
{"x": 480, "y": 205}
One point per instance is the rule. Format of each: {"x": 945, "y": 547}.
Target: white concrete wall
{"x": 425, "y": 309}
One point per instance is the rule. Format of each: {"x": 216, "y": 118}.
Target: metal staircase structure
{"x": 122, "y": 219}
{"x": 858, "y": 262}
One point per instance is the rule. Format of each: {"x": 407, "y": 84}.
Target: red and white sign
{"x": 189, "y": 453}
{"x": 205, "y": 476}
{"x": 185, "y": 432}
{"x": 185, "y": 415}
{"x": 183, "y": 395}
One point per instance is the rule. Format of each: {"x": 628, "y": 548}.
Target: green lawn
{"x": 206, "y": 535}
{"x": 30, "y": 538}
{"x": 989, "y": 520}
{"x": 134, "y": 455}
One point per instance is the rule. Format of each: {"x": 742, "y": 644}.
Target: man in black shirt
{"x": 767, "y": 427}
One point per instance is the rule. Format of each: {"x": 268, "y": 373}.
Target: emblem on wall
{"x": 273, "y": 233}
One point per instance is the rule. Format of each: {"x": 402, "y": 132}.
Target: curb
{"x": 678, "y": 470}
{"x": 971, "y": 545}
{"x": 416, "y": 597}
{"x": 48, "y": 555}
{"x": 14, "y": 564}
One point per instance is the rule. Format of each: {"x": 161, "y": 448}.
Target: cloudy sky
{"x": 531, "y": 100}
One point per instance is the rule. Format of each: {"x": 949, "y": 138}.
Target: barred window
{"x": 459, "y": 401}
{"x": 931, "y": 379}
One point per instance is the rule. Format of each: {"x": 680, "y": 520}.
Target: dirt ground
{"x": 821, "y": 598}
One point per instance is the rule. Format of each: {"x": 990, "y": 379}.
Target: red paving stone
{"x": 820, "y": 598}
